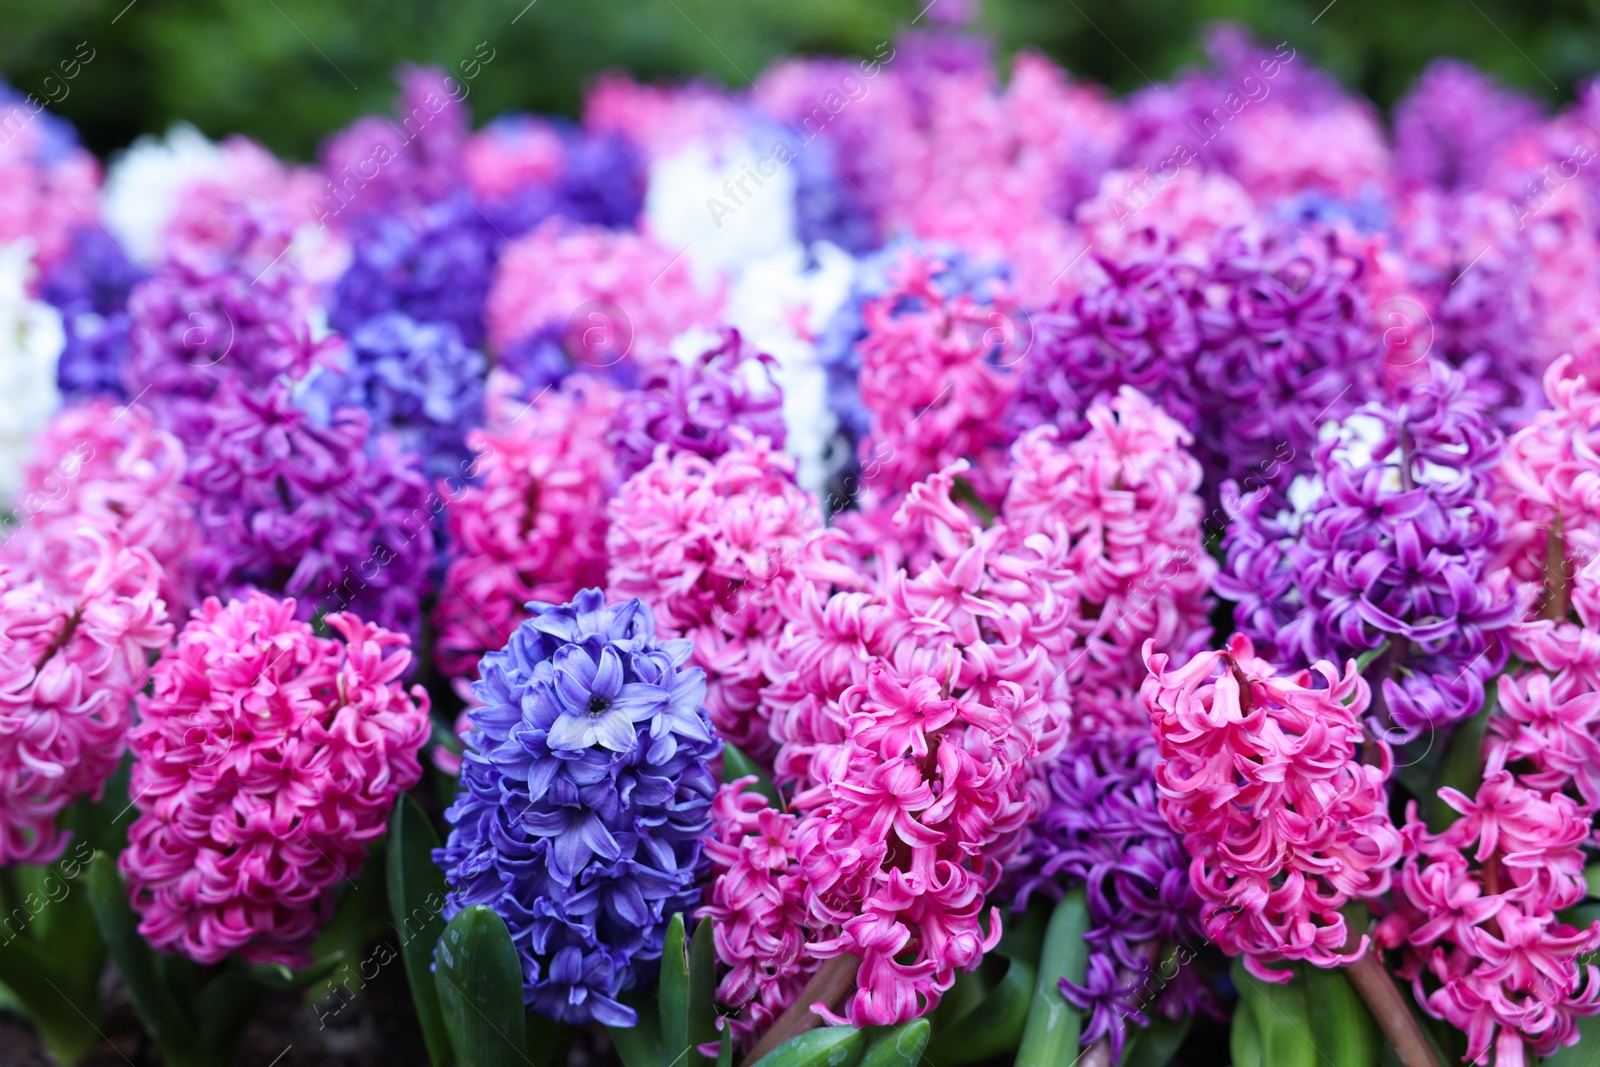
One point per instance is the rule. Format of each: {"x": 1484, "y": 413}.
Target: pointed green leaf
{"x": 994, "y": 1026}
{"x": 901, "y": 1047}
{"x": 1283, "y": 1019}
{"x": 673, "y": 997}
{"x": 1156, "y": 1044}
{"x": 416, "y": 902}
{"x": 164, "y": 1016}
{"x": 736, "y": 765}
{"x": 702, "y": 986}
{"x": 725, "y": 1053}
{"x": 1244, "y": 1036}
{"x": 479, "y": 979}
{"x": 830, "y": 1046}
{"x": 1341, "y": 1025}
{"x": 1591, "y": 878}
{"x": 1050, "y": 1037}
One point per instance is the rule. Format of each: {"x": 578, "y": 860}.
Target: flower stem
{"x": 1377, "y": 988}
{"x": 1555, "y": 574}
{"x": 832, "y": 982}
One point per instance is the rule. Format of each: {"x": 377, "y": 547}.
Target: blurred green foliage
{"x": 289, "y": 71}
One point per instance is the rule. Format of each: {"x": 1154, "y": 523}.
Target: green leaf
{"x": 1283, "y": 1019}
{"x": 1364, "y": 660}
{"x": 673, "y": 997}
{"x": 736, "y": 765}
{"x": 479, "y": 980}
{"x": 1462, "y": 765}
{"x": 164, "y": 1016}
{"x": 640, "y": 1045}
{"x": 1586, "y": 1053}
{"x": 1341, "y": 1024}
{"x": 1244, "y": 1036}
{"x": 702, "y": 986}
{"x": 901, "y": 1047}
{"x": 994, "y": 1026}
{"x": 1156, "y": 1044}
{"x": 1591, "y": 877}
{"x": 1050, "y": 1038}
{"x": 416, "y": 901}
{"x": 64, "y": 1012}
{"x": 725, "y": 1054}
{"x": 830, "y": 1046}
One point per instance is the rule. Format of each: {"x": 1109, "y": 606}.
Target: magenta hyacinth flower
{"x": 266, "y": 762}
{"x": 1260, "y": 773}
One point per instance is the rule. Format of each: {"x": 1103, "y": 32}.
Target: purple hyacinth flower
{"x": 693, "y": 407}
{"x": 1102, "y": 829}
{"x": 1392, "y": 544}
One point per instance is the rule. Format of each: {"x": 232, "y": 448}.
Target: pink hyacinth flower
{"x": 267, "y": 760}
{"x": 1260, "y": 774}
{"x": 706, "y": 543}
{"x": 80, "y": 614}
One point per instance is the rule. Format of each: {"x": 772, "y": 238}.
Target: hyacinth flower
{"x": 327, "y": 515}
{"x": 90, "y": 287}
{"x": 109, "y": 465}
{"x": 1251, "y": 340}
{"x": 1448, "y": 128}
{"x": 1122, "y": 500}
{"x": 936, "y": 381}
{"x": 533, "y": 524}
{"x": 610, "y": 296}
{"x": 202, "y": 321}
{"x": 1260, "y": 773}
{"x": 1548, "y": 494}
{"x": 693, "y": 407}
{"x": 415, "y": 379}
{"x": 585, "y": 796}
{"x": 82, "y": 614}
{"x": 266, "y": 761}
{"x": 1476, "y": 915}
{"x": 434, "y": 266}
{"x": 1102, "y": 829}
{"x": 838, "y": 344}
{"x": 706, "y": 543}
{"x": 912, "y": 716}
{"x": 379, "y": 166}
{"x": 1390, "y": 548}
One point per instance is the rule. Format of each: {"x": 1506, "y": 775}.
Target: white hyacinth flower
{"x": 726, "y": 205}
{"x": 778, "y": 304}
{"x": 145, "y": 182}
{"x": 31, "y": 339}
